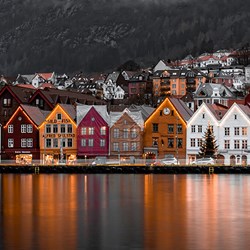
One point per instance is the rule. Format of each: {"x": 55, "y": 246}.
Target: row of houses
{"x": 78, "y": 132}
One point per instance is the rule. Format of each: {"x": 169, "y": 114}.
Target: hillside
{"x": 67, "y": 36}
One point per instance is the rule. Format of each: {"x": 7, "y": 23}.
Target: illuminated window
{"x": 91, "y": 130}
{"x": 103, "y": 130}
{"x": 83, "y": 131}
{"x": 23, "y": 128}
{"x": 7, "y": 102}
{"x": 10, "y": 129}
{"x": 244, "y": 130}
{"x": 10, "y": 143}
{"x": 102, "y": 143}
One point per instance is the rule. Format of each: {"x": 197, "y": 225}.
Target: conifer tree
{"x": 208, "y": 147}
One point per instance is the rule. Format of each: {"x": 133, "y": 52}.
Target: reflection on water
{"x": 124, "y": 211}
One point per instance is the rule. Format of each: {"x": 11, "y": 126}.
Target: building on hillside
{"x": 57, "y": 134}
{"x": 165, "y": 130}
{"x": 21, "y": 135}
{"x": 92, "y": 131}
{"x": 126, "y": 134}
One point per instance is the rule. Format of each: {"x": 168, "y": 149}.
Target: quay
{"x": 122, "y": 169}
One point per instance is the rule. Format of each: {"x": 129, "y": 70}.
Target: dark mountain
{"x": 68, "y": 36}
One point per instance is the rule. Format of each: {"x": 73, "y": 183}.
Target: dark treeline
{"x": 91, "y": 36}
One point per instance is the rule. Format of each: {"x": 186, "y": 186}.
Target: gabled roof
{"x": 46, "y": 76}
{"x": 113, "y": 76}
{"x": 69, "y": 109}
{"x": 82, "y": 111}
{"x": 218, "y": 110}
{"x": 146, "y": 111}
{"x": 35, "y": 114}
{"x": 135, "y": 116}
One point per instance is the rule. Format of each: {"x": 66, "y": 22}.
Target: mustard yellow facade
{"x": 58, "y": 137}
{"x": 165, "y": 132}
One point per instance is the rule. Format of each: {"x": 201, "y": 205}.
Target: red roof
{"x": 45, "y": 76}
{"x": 28, "y": 86}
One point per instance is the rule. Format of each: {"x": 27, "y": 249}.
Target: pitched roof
{"x": 70, "y": 110}
{"x": 217, "y": 109}
{"x": 146, "y": 111}
{"x": 46, "y": 76}
{"x": 36, "y": 114}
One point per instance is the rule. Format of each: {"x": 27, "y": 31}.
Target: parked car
{"x": 167, "y": 161}
{"x": 203, "y": 161}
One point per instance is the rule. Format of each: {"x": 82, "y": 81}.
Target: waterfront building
{"x": 126, "y": 134}
{"x": 21, "y": 135}
{"x": 92, "y": 131}
{"x": 58, "y": 136}
{"x": 165, "y": 130}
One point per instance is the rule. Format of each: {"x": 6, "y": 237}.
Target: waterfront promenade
{"x": 123, "y": 169}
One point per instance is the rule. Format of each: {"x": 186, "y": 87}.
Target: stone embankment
{"x": 124, "y": 169}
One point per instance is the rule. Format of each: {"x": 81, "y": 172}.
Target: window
{"x": 29, "y": 142}
{"x": 133, "y": 146}
{"x": 192, "y": 128}
{"x": 115, "y": 146}
{"x": 155, "y": 141}
{"x": 155, "y": 127}
{"x": 91, "y": 130}
{"x": 83, "y": 142}
{"x": 125, "y": 133}
{"x": 10, "y": 143}
{"x": 83, "y": 131}
{"x": 227, "y": 144}
{"x": 125, "y": 146}
{"x": 103, "y": 130}
{"x": 199, "y": 142}
{"x": 133, "y": 133}
{"x": 170, "y": 142}
{"x": 244, "y": 144}
{"x": 23, "y": 128}
{"x": 63, "y": 129}
{"x": 70, "y": 143}
{"x": 116, "y": 133}
{"x": 179, "y": 142}
{"x": 70, "y": 130}
{"x": 59, "y": 116}
{"x": 63, "y": 141}
{"x": 48, "y": 143}
{"x": 48, "y": 129}
{"x": 23, "y": 143}
{"x": 173, "y": 86}
{"x": 102, "y": 143}
{"x": 29, "y": 128}
{"x": 91, "y": 142}
{"x": 55, "y": 143}
{"x": 244, "y": 130}
{"x": 55, "y": 128}
{"x": 235, "y": 117}
{"x": 179, "y": 128}
{"x": 236, "y": 131}
{"x": 192, "y": 142}
{"x": 199, "y": 128}
{"x": 227, "y": 131}
{"x": 10, "y": 129}
{"x": 203, "y": 116}
{"x": 6, "y": 102}
{"x": 170, "y": 128}
{"x": 236, "y": 144}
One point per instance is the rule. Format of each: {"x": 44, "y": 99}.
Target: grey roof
{"x": 70, "y": 109}
{"x": 113, "y": 76}
{"x": 35, "y": 114}
{"x": 182, "y": 108}
{"x": 145, "y": 110}
{"x": 245, "y": 109}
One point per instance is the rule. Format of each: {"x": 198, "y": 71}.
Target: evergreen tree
{"x": 208, "y": 147}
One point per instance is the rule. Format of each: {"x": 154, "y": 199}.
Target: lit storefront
{"x": 58, "y": 136}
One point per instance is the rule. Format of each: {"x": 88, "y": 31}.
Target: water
{"x": 60, "y": 211}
